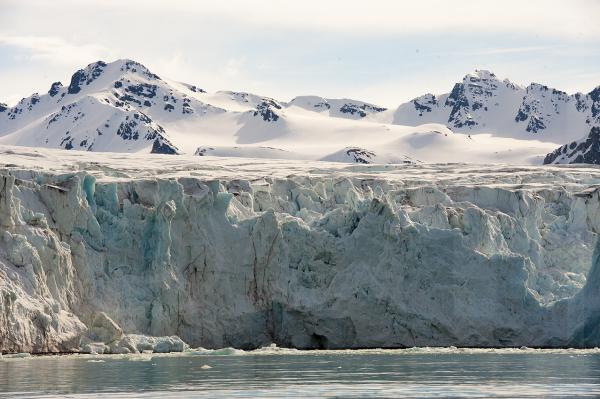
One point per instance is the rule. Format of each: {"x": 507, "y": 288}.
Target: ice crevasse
{"x": 99, "y": 258}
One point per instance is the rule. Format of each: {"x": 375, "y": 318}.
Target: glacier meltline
{"x": 98, "y": 251}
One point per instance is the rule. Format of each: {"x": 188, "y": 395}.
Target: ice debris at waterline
{"x": 99, "y": 249}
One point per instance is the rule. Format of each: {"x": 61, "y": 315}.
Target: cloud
{"x": 553, "y": 18}
{"x": 562, "y": 50}
{"x": 55, "y": 49}
{"x": 557, "y": 18}
{"x": 386, "y": 50}
{"x": 514, "y": 50}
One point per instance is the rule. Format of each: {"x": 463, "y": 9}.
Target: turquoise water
{"x": 417, "y": 374}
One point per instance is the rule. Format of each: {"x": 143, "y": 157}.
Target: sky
{"x": 383, "y": 51}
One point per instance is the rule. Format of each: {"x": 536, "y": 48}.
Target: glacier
{"x": 125, "y": 253}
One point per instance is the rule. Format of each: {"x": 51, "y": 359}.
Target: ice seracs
{"x": 110, "y": 254}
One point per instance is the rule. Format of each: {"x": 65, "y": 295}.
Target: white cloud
{"x": 574, "y": 18}
{"x": 55, "y": 49}
{"x": 555, "y": 18}
{"x": 284, "y": 48}
{"x": 513, "y": 50}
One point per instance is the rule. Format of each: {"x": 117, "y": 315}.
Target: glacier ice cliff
{"x": 98, "y": 249}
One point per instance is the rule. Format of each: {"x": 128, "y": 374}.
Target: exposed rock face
{"x": 267, "y": 110}
{"x": 586, "y": 150}
{"x": 163, "y": 146}
{"x": 352, "y": 155}
{"x": 85, "y": 76}
{"x": 54, "y": 89}
{"x": 344, "y": 257}
{"x": 425, "y": 103}
{"x": 341, "y": 108}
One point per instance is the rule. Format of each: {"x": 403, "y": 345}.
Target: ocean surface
{"x": 274, "y": 373}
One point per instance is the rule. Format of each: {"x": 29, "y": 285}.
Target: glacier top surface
{"x": 117, "y": 166}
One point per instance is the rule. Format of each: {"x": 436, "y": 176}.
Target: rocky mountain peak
{"x": 127, "y": 65}
{"x": 595, "y": 94}
{"x": 86, "y": 76}
{"x": 119, "y": 69}
{"x": 55, "y": 89}
{"x": 480, "y": 75}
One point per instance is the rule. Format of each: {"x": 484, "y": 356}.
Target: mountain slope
{"x": 586, "y": 150}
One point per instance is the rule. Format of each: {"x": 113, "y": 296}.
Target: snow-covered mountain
{"x": 482, "y": 103}
{"x": 124, "y": 107}
{"x": 106, "y": 107}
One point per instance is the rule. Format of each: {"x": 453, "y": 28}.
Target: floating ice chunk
{"x": 21, "y": 355}
{"x": 95, "y": 348}
{"x": 217, "y": 352}
{"x": 104, "y": 329}
{"x": 137, "y": 343}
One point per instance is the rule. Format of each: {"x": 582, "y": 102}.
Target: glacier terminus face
{"x": 123, "y": 253}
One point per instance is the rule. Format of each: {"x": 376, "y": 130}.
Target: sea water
{"x": 274, "y": 372}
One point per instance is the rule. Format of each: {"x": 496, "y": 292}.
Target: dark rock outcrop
{"x": 55, "y": 88}
{"x": 85, "y": 76}
{"x": 584, "y": 151}
{"x": 163, "y": 146}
